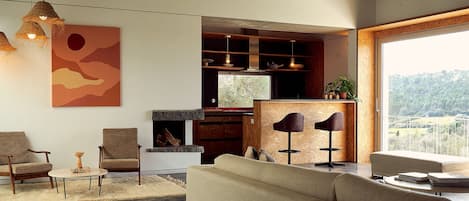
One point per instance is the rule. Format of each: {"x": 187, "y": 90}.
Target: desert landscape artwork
{"x": 86, "y": 66}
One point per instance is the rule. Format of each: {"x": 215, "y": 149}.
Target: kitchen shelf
{"x": 234, "y": 68}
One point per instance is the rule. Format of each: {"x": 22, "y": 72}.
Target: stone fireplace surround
{"x": 186, "y": 116}
{"x": 166, "y": 160}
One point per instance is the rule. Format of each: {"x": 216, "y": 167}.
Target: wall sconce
{"x": 43, "y": 12}
{"x": 4, "y": 44}
{"x": 32, "y": 31}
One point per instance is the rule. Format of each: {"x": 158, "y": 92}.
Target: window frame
{"x": 381, "y": 97}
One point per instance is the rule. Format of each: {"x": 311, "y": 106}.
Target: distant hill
{"x": 444, "y": 93}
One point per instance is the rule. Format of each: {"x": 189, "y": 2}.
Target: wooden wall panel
{"x": 249, "y": 139}
{"x": 310, "y": 140}
{"x": 366, "y": 120}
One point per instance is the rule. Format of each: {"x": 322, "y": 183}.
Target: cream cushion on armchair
{"x": 119, "y": 163}
{"x": 25, "y": 168}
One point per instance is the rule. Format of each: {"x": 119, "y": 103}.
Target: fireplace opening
{"x": 168, "y": 133}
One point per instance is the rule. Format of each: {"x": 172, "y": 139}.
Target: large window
{"x": 425, "y": 92}
{"x": 239, "y": 90}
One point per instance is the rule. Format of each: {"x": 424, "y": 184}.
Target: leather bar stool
{"x": 334, "y": 123}
{"x": 293, "y": 122}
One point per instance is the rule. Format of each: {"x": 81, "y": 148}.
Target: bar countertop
{"x": 308, "y": 100}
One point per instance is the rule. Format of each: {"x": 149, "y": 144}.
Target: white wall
{"x": 394, "y": 10}
{"x": 160, "y": 65}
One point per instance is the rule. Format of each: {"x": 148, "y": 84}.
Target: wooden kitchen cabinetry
{"x": 219, "y": 133}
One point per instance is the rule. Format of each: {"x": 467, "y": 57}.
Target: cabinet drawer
{"x": 212, "y": 119}
{"x": 213, "y": 147}
{"x": 213, "y": 131}
{"x": 237, "y": 119}
{"x": 233, "y": 130}
{"x": 233, "y": 147}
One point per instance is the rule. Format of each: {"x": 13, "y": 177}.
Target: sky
{"x": 427, "y": 54}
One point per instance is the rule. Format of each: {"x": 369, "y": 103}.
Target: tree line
{"x": 444, "y": 93}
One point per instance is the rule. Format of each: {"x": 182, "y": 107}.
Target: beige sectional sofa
{"x": 234, "y": 178}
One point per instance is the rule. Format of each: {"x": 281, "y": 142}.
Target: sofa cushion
{"x": 350, "y": 187}
{"x": 212, "y": 184}
{"x": 119, "y": 163}
{"x": 24, "y": 168}
{"x": 251, "y": 153}
{"x": 310, "y": 182}
{"x": 265, "y": 156}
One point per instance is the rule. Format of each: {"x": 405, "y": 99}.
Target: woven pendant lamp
{"x": 31, "y": 30}
{"x": 4, "y": 44}
{"x": 43, "y": 12}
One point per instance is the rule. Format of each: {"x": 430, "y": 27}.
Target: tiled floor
{"x": 360, "y": 169}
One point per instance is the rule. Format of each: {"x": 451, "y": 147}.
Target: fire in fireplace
{"x": 168, "y": 133}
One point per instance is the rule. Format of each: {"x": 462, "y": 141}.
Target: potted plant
{"x": 345, "y": 87}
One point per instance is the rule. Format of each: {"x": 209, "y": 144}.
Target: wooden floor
{"x": 359, "y": 169}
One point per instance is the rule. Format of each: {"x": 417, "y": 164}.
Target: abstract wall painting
{"x": 86, "y": 66}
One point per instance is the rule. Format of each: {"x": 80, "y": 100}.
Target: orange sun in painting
{"x": 86, "y": 66}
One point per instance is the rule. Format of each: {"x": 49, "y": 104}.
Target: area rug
{"x": 153, "y": 188}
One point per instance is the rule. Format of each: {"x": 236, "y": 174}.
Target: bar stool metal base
{"x": 289, "y": 151}
{"x": 329, "y": 164}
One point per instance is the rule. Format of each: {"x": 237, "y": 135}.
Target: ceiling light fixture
{"x": 32, "y": 31}
{"x": 292, "y": 58}
{"x": 43, "y": 12}
{"x": 4, "y": 44}
{"x": 227, "y": 56}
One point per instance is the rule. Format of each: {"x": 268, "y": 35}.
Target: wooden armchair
{"x": 17, "y": 160}
{"x": 120, "y": 151}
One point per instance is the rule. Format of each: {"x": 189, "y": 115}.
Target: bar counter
{"x": 261, "y": 135}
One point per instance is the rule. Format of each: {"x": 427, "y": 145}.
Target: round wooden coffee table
{"x": 424, "y": 187}
{"x": 67, "y": 173}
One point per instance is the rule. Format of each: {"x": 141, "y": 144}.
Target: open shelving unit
{"x": 255, "y": 51}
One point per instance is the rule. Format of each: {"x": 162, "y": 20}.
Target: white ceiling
{"x": 214, "y": 23}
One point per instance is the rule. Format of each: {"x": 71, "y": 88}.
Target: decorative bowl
{"x": 206, "y": 61}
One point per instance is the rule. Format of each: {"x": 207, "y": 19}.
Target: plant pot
{"x": 343, "y": 95}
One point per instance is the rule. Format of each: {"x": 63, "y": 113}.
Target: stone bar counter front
{"x": 261, "y": 135}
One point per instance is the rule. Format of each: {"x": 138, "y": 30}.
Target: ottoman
{"x": 389, "y": 163}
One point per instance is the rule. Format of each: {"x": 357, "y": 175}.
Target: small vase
{"x": 79, "y": 155}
